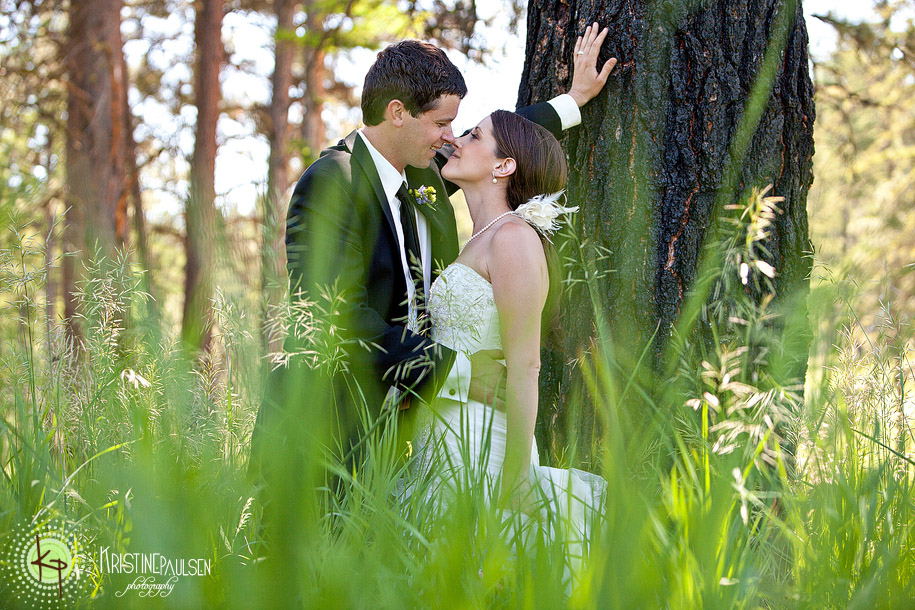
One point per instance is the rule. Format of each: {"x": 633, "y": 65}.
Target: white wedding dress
{"x": 463, "y": 441}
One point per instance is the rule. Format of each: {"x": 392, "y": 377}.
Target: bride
{"x": 493, "y": 297}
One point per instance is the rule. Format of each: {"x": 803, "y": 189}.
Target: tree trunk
{"x": 96, "y": 149}
{"x": 139, "y": 218}
{"x": 313, "y": 132}
{"x": 274, "y": 252}
{"x": 201, "y": 216}
{"x": 51, "y": 250}
{"x": 652, "y": 155}
{"x": 51, "y": 286}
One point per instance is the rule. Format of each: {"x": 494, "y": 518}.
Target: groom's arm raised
{"x": 563, "y": 111}
{"x": 325, "y": 244}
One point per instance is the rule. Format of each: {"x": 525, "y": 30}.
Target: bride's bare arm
{"x": 518, "y": 271}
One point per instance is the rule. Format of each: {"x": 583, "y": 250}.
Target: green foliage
{"x": 861, "y": 206}
{"x": 32, "y": 96}
{"x": 732, "y": 493}
{"x": 706, "y": 508}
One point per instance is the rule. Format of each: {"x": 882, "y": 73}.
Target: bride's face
{"x": 474, "y": 157}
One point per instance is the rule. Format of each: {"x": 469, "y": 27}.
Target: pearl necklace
{"x": 483, "y": 230}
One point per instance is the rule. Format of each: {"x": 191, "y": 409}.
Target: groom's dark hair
{"x": 416, "y": 73}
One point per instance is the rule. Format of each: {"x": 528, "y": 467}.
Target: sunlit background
{"x": 119, "y": 425}
{"x": 242, "y": 158}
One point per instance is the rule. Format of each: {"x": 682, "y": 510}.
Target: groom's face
{"x": 422, "y": 135}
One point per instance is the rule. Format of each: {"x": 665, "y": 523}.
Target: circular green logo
{"x": 48, "y": 560}
{"x": 43, "y": 565}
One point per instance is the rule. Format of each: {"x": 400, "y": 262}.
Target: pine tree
{"x": 709, "y": 100}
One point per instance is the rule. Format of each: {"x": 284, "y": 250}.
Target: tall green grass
{"x": 732, "y": 491}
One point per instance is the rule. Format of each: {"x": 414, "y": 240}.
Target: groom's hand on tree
{"x": 587, "y": 81}
{"x": 487, "y": 378}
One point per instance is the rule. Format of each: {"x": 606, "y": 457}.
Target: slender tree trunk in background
{"x": 651, "y": 156}
{"x": 313, "y": 132}
{"x": 51, "y": 281}
{"x": 274, "y": 252}
{"x": 96, "y": 220}
{"x": 133, "y": 181}
{"x": 51, "y": 245}
{"x": 201, "y": 217}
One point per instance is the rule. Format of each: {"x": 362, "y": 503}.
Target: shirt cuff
{"x": 567, "y": 109}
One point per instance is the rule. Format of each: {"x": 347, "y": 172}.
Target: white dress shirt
{"x": 391, "y": 179}
{"x": 567, "y": 109}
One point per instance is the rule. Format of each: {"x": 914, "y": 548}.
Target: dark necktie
{"x": 411, "y": 247}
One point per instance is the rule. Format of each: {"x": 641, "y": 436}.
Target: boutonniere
{"x": 425, "y": 196}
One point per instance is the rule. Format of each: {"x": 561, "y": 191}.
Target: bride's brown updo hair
{"x": 540, "y": 163}
{"x": 540, "y": 169}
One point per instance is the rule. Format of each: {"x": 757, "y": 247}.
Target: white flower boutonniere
{"x": 542, "y": 211}
{"x": 425, "y": 196}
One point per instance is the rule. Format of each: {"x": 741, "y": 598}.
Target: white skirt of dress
{"x": 463, "y": 445}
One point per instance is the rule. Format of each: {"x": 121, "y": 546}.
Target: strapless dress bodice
{"x": 463, "y": 311}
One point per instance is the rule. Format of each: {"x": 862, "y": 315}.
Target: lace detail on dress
{"x": 463, "y": 311}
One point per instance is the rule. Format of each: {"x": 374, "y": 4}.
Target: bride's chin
{"x": 448, "y": 174}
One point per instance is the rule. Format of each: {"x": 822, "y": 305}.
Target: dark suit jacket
{"x": 340, "y": 241}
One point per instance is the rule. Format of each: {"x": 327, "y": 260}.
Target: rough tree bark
{"x": 96, "y": 220}
{"x": 652, "y": 155}
{"x": 201, "y": 217}
{"x": 274, "y": 251}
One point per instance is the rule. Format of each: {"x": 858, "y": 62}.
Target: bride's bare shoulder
{"x": 515, "y": 242}
{"x": 516, "y": 232}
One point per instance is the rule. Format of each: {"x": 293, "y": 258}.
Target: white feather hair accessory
{"x": 541, "y": 212}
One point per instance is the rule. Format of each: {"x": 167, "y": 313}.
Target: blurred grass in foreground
{"x": 731, "y": 492}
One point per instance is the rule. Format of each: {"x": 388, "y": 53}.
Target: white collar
{"x": 391, "y": 179}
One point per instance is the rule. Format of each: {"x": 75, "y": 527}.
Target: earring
{"x": 494, "y": 181}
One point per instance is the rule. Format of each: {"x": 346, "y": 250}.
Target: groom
{"x": 369, "y": 227}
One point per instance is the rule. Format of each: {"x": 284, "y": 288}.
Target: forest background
{"x": 207, "y": 139}
{"x": 859, "y": 215}
{"x": 861, "y": 77}
{"x": 860, "y": 74}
